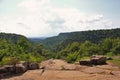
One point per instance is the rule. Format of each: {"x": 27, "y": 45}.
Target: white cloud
{"x": 41, "y": 18}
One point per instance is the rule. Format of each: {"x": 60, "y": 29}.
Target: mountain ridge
{"x": 94, "y": 36}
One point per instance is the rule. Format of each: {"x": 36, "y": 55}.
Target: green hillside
{"x": 17, "y": 46}
{"x": 71, "y": 46}
{"x": 74, "y": 46}
{"x": 52, "y": 42}
{"x": 94, "y": 36}
{"x": 13, "y": 37}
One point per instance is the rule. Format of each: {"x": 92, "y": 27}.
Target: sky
{"x": 45, "y": 18}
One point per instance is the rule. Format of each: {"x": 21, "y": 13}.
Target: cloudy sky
{"x": 43, "y": 18}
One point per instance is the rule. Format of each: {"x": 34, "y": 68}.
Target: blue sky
{"x": 39, "y": 18}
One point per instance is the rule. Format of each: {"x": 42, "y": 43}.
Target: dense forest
{"x": 95, "y": 36}
{"x": 13, "y": 46}
{"x": 72, "y": 46}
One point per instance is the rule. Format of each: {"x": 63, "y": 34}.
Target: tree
{"x": 23, "y": 44}
{"x": 107, "y": 45}
{"x": 73, "y": 47}
{"x": 38, "y": 50}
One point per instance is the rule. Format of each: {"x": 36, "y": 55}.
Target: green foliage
{"x": 10, "y": 60}
{"x": 38, "y": 49}
{"x": 106, "y": 45}
{"x": 53, "y": 43}
{"x": 76, "y": 51}
{"x": 73, "y": 47}
{"x": 84, "y": 44}
{"x": 68, "y": 46}
{"x": 72, "y": 57}
{"x": 115, "y": 61}
{"x": 116, "y": 46}
{"x": 13, "y": 47}
{"x": 61, "y": 41}
{"x": 23, "y": 44}
{"x": 36, "y": 59}
{"x": 110, "y": 54}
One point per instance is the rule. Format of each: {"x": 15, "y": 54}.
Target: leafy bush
{"x": 10, "y": 60}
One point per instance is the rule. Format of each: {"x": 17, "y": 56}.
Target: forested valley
{"x": 71, "y": 47}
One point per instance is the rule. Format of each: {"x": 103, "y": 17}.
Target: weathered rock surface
{"x": 17, "y": 69}
{"x": 55, "y": 64}
{"x": 94, "y": 60}
{"x": 98, "y": 60}
{"x": 33, "y": 66}
{"x": 97, "y": 72}
{"x": 85, "y": 62}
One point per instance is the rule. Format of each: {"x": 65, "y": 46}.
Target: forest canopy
{"x": 68, "y": 46}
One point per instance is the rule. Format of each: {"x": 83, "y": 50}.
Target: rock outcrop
{"x": 33, "y": 66}
{"x": 86, "y": 62}
{"x": 94, "y": 60}
{"x": 57, "y": 64}
{"x": 98, "y": 60}
{"x": 17, "y": 69}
